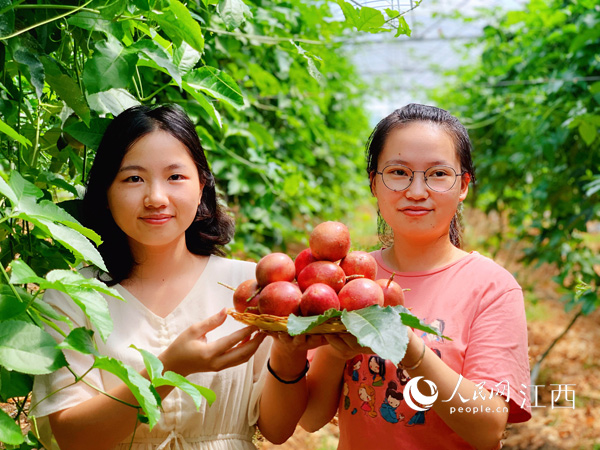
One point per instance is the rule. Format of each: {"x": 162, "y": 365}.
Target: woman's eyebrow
{"x": 174, "y": 166}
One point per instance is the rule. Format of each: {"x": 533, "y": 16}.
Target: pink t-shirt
{"x": 479, "y": 305}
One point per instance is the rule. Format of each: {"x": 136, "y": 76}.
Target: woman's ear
{"x": 372, "y": 176}
{"x": 465, "y": 179}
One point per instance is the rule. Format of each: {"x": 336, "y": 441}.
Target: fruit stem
{"x": 353, "y": 277}
{"x": 391, "y": 279}
{"x": 226, "y": 285}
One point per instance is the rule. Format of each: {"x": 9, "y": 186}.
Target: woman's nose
{"x": 156, "y": 196}
{"x": 418, "y": 188}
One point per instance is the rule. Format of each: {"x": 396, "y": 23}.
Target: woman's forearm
{"x": 101, "y": 422}
{"x": 482, "y": 430}
{"x": 324, "y": 389}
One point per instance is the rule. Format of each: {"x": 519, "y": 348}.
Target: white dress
{"x": 226, "y": 425}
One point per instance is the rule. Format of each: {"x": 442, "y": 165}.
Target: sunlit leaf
{"x": 10, "y": 432}
{"x": 380, "y": 329}
{"x": 217, "y": 84}
{"x": 27, "y": 348}
{"x": 80, "y": 340}
{"x": 140, "y": 387}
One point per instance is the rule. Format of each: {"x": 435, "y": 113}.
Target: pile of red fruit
{"x": 324, "y": 276}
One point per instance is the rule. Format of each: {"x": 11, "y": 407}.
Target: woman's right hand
{"x": 191, "y": 353}
{"x": 345, "y": 346}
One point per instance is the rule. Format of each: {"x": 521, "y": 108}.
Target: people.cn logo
{"x": 417, "y": 400}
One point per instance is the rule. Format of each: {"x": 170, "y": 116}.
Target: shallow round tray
{"x": 276, "y": 323}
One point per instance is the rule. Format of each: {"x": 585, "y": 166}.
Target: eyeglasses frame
{"x": 456, "y": 175}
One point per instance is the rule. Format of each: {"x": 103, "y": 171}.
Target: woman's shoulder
{"x": 481, "y": 265}
{"x": 234, "y": 268}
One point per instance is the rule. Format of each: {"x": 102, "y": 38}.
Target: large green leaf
{"x": 7, "y": 191}
{"x": 32, "y": 66}
{"x": 113, "y": 101}
{"x": 71, "y": 239}
{"x": 10, "y": 432}
{"x": 154, "y": 367}
{"x": 14, "y": 384}
{"x": 67, "y": 88}
{"x": 23, "y": 188}
{"x": 233, "y": 12}
{"x": 47, "y": 210}
{"x": 157, "y": 57}
{"x": 10, "y": 305}
{"x": 11, "y": 133}
{"x": 216, "y": 84}
{"x": 298, "y": 325}
{"x": 177, "y": 22}
{"x": 140, "y": 387}
{"x": 89, "y": 135}
{"x": 204, "y": 103}
{"x": 21, "y": 273}
{"x": 7, "y": 18}
{"x": 380, "y": 329}
{"x": 80, "y": 340}
{"x": 27, "y": 348}
{"x": 197, "y": 392}
{"x": 111, "y": 66}
{"x": 85, "y": 294}
{"x": 185, "y": 57}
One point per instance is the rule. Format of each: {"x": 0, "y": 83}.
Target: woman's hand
{"x": 345, "y": 346}
{"x": 191, "y": 353}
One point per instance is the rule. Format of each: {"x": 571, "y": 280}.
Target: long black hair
{"x": 411, "y": 113}
{"x": 212, "y": 227}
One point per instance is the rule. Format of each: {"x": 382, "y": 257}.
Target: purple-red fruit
{"x": 280, "y": 298}
{"x": 329, "y": 241}
{"x": 304, "y": 258}
{"x": 245, "y": 297}
{"x": 326, "y": 272}
{"x": 359, "y": 263}
{"x": 317, "y": 299}
{"x": 275, "y": 267}
{"x": 360, "y": 293}
{"x": 393, "y": 294}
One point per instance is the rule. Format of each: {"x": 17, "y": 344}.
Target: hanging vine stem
{"x": 36, "y": 144}
{"x": 45, "y": 22}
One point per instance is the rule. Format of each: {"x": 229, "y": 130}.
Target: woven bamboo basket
{"x": 276, "y": 323}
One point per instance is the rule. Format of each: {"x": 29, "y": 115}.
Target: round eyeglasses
{"x": 397, "y": 177}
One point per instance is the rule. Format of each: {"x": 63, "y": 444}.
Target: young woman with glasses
{"x": 457, "y": 393}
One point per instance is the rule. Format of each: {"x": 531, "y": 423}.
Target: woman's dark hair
{"x": 212, "y": 227}
{"x": 411, "y": 113}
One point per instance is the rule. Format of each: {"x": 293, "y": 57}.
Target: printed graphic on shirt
{"x": 373, "y": 388}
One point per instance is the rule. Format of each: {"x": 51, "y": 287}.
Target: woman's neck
{"x": 161, "y": 263}
{"x": 405, "y": 255}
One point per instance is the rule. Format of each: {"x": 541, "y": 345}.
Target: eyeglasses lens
{"x": 437, "y": 178}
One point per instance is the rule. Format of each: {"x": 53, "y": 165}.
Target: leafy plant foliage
{"x": 277, "y": 106}
{"x": 532, "y": 103}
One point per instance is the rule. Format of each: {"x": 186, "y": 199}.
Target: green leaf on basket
{"x": 412, "y": 321}
{"x": 298, "y": 325}
{"x": 380, "y": 329}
